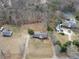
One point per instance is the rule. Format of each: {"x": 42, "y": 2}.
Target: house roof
{"x": 40, "y": 35}
{"x": 7, "y": 33}
{"x": 70, "y": 20}
{"x": 69, "y": 16}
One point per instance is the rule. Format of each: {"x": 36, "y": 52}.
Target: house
{"x": 7, "y": 33}
{"x": 68, "y": 23}
{"x": 40, "y": 35}
{"x": 70, "y": 20}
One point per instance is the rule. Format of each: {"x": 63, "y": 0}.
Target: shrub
{"x": 58, "y": 43}
{"x": 76, "y": 42}
{"x": 77, "y": 17}
{"x": 63, "y": 48}
{"x": 49, "y": 28}
{"x": 67, "y": 43}
{"x": 30, "y": 31}
{"x": 62, "y": 33}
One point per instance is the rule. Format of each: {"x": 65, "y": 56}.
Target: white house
{"x": 70, "y": 20}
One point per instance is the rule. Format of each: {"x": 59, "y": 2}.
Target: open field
{"x": 40, "y": 49}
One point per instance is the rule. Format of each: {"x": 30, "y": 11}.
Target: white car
{"x": 1, "y": 29}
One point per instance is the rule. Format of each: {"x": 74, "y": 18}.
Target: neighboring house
{"x": 70, "y": 23}
{"x": 7, "y": 33}
{"x": 70, "y": 20}
{"x": 40, "y": 35}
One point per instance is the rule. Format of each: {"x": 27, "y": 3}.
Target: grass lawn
{"x": 39, "y": 49}
{"x": 64, "y": 38}
{"x": 61, "y": 38}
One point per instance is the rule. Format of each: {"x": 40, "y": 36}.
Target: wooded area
{"x": 24, "y": 11}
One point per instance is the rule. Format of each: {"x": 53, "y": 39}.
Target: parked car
{"x": 40, "y": 35}
{"x": 1, "y": 29}
{"x": 7, "y": 33}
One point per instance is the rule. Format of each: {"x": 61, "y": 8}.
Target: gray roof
{"x": 40, "y": 35}
{"x": 70, "y": 20}
{"x": 7, "y": 33}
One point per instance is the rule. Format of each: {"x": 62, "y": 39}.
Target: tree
{"x": 54, "y": 5}
{"x": 69, "y": 8}
{"x": 30, "y": 31}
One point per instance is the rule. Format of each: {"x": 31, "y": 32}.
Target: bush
{"x": 63, "y": 48}
{"x": 76, "y": 43}
{"x": 62, "y": 33}
{"x": 77, "y": 18}
{"x": 58, "y": 43}
{"x": 67, "y": 43}
{"x": 49, "y": 28}
{"x": 30, "y": 31}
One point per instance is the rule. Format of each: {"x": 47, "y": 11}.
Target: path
{"x": 69, "y": 33}
{"x": 53, "y": 47}
{"x": 54, "y": 53}
{"x": 27, "y": 38}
